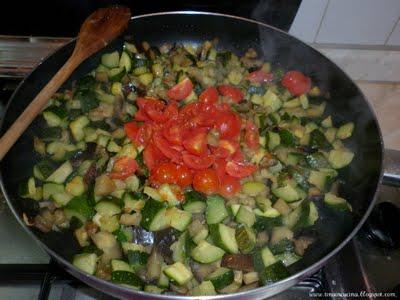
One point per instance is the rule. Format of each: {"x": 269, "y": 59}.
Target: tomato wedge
{"x": 251, "y": 136}
{"x": 206, "y": 181}
{"x": 228, "y": 124}
{"x": 196, "y": 141}
{"x": 219, "y": 167}
{"x": 209, "y": 95}
{"x": 260, "y": 76}
{"x": 228, "y": 186}
{"x": 184, "y": 176}
{"x": 152, "y": 156}
{"x": 131, "y": 130}
{"x": 162, "y": 144}
{"x": 239, "y": 170}
{"x": 226, "y": 148}
{"x": 196, "y": 162}
{"x": 164, "y": 173}
{"x": 174, "y": 132}
{"x": 144, "y": 135}
{"x": 181, "y": 90}
{"x": 234, "y": 93}
{"x": 123, "y": 167}
{"x": 296, "y": 82}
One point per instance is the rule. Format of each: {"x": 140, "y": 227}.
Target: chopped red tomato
{"x": 239, "y": 170}
{"x": 296, "y": 82}
{"x": 209, "y": 95}
{"x": 219, "y": 167}
{"x": 152, "y": 156}
{"x": 228, "y": 186}
{"x": 184, "y": 176}
{"x": 141, "y": 116}
{"x": 226, "y": 148}
{"x": 196, "y": 141}
{"x": 228, "y": 124}
{"x": 131, "y": 130}
{"x": 206, "y": 181}
{"x": 251, "y": 136}
{"x": 162, "y": 144}
{"x": 234, "y": 93}
{"x": 165, "y": 173}
{"x": 144, "y": 135}
{"x": 238, "y": 156}
{"x": 196, "y": 162}
{"x": 123, "y": 167}
{"x": 260, "y": 76}
{"x": 181, "y": 90}
{"x": 174, "y": 132}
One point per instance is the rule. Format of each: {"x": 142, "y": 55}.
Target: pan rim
{"x": 287, "y": 282}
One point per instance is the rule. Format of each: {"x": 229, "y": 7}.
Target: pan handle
{"x": 391, "y": 168}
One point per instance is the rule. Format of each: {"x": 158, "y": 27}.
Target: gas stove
{"x": 368, "y": 267}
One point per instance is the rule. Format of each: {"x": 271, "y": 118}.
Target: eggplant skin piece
{"x": 242, "y": 262}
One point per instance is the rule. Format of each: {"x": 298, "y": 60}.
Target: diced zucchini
{"x": 125, "y": 61}
{"x": 287, "y": 193}
{"x": 292, "y": 103}
{"x": 86, "y": 262}
{"x": 137, "y": 258}
{"x": 178, "y": 273}
{"x": 50, "y": 189}
{"x": 216, "y": 211}
{"x": 61, "y": 199}
{"x": 340, "y": 158}
{"x": 224, "y": 237}
{"x": 245, "y": 238}
{"x": 330, "y": 134}
{"x": 262, "y": 259}
{"x": 80, "y": 208}
{"x": 116, "y": 74}
{"x": 152, "y": 193}
{"x": 345, "y": 131}
{"x": 146, "y": 78}
{"x": 304, "y": 101}
{"x": 272, "y": 100}
{"x": 154, "y": 216}
{"x": 253, "y": 188}
{"x": 288, "y": 258}
{"x": 303, "y": 216}
{"x": 28, "y": 189}
{"x": 116, "y": 88}
{"x": 194, "y": 202}
{"x": 110, "y": 60}
{"x": 327, "y": 122}
{"x": 54, "y": 116}
{"x": 179, "y": 219}
{"x": 274, "y": 273}
{"x": 130, "y": 47}
{"x": 263, "y": 203}
{"x": 153, "y": 289}
{"x": 336, "y": 202}
{"x": 107, "y": 208}
{"x": 245, "y": 216}
{"x": 127, "y": 278}
{"x": 163, "y": 280}
{"x": 60, "y": 174}
{"x": 274, "y": 140}
{"x": 168, "y": 195}
{"x": 76, "y": 186}
{"x": 267, "y": 219}
{"x": 205, "y": 288}
{"x": 206, "y": 253}
{"x": 320, "y": 179}
{"x": 120, "y": 265}
{"x": 317, "y": 160}
{"x": 201, "y": 235}
{"x": 43, "y": 169}
{"x": 77, "y": 126}
{"x": 250, "y": 278}
{"x": 221, "y": 278}
{"x": 234, "y": 208}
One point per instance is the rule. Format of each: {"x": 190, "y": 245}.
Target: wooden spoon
{"x": 101, "y": 27}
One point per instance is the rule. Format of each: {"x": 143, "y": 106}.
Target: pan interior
{"x": 237, "y": 35}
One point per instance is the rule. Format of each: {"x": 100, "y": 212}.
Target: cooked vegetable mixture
{"x": 187, "y": 170}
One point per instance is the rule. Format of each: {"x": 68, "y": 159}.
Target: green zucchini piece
{"x": 284, "y": 245}
{"x": 205, "y": 288}
{"x": 274, "y": 273}
{"x": 287, "y": 193}
{"x": 137, "y": 258}
{"x": 50, "y": 134}
{"x": 288, "y": 258}
{"x": 27, "y": 189}
{"x": 43, "y": 169}
{"x": 340, "y": 158}
{"x": 262, "y": 259}
{"x": 224, "y": 237}
{"x": 153, "y": 289}
{"x": 50, "y": 189}
{"x": 274, "y": 140}
{"x": 107, "y": 208}
{"x": 77, "y": 126}
{"x": 86, "y": 262}
{"x": 125, "y": 61}
{"x": 216, "y": 211}
{"x": 317, "y": 160}
{"x": 195, "y": 202}
{"x": 336, "y": 202}
{"x": 245, "y": 216}
{"x": 178, "y": 273}
{"x": 253, "y": 188}
{"x": 163, "y": 281}
{"x": 267, "y": 219}
{"x": 180, "y": 219}
{"x": 120, "y": 265}
{"x": 221, "y": 278}
{"x": 245, "y": 238}
{"x": 287, "y": 138}
{"x": 206, "y": 253}
{"x": 319, "y": 141}
{"x": 110, "y": 60}
{"x": 116, "y": 74}
{"x": 345, "y": 131}
{"x": 127, "y": 278}
{"x": 54, "y": 116}
{"x": 61, "y": 173}
{"x": 80, "y": 208}
{"x": 154, "y": 216}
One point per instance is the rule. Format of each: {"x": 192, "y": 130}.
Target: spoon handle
{"x": 36, "y": 106}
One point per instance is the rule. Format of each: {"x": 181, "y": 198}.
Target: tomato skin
{"x": 260, "y": 76}
{"x": 123, "y": 167}
{"x": 162, "y": 144}
{"x": 174, "y": 132}
{"x": 144, "y": 135}
{"x": 209, "y": 95}
{"x": 131, "y": 130}
{"x": 152, "y": 156}
{"x": 181, "y": 90}
{"x": 196, "y": 162}
{"x": 239, "y": 170}
{"x": 219, "y": 167}
{"x": 228, "y": 186}
{"x": 296, "y": 82}
{"x": 184, "y": 176}
{"x": 228, "y": 124}
{"x": 206, "y": 181}
{"x": 165, "y": 173}
{"x": 234, "y": 93}
{"x": 226, "y": 148}
{"x": 251, "y": 136}
{"x": 196, "y": 141}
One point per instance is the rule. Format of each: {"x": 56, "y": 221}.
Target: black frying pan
{"x": 347, "y": 103}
